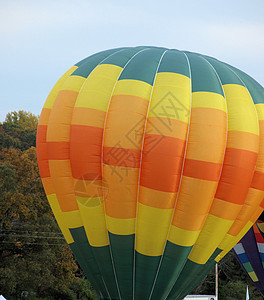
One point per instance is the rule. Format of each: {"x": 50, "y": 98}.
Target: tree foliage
{"x": 18, "y": 130}
{"x": 35, "y": 260}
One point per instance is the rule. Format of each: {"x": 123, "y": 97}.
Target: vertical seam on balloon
{"x": 185, "y": 150}
{"x": 102, "y": 158}
{"x": 218, "y": 179}
{"x": 225, "y": 140}
{"x": 140, "y": 166}
{"x": 70, "y": 156}
{"x": 46, "y": 142}
{"x": 233, "y": 71}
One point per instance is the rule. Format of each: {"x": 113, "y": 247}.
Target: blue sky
{"x": 40, "y": 40}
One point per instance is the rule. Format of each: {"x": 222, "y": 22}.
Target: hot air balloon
{"x": 152, "y": 160}
{"x": 250, "y": 253}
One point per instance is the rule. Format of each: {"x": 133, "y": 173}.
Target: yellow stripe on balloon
{"x": 121, "y": 226}
{"x": 151, "y": 240}
{"x": 182, "y": 237}
{"x": 74, "y": 83}
{"x": 133, "y": 88}
{"x": 65, "y": 220}
{"x": 171, "y": 97}
{"x": 240, "y": 102}
{"x": 230, "y": 241}
{"x": 260, "y": 110}
{"x": 253, "y": 276}
{"x": 208, "y": 100}
{"x": 215, "y": 228}
{"x": 93, "y": 217}
{"x": 172, "y": 79}
{"x": 57, "y": 87}
{"x": 98, "y": 87}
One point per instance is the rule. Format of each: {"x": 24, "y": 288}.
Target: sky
{"x": 40, "y": 40}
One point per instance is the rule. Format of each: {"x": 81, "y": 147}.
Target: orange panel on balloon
{"x": 162, "y": 163}
{"x": 234, "y": 176}
{"x": 85, "y": 152}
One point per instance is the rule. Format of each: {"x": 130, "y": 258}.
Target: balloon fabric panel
{"x": 249, "y": 252}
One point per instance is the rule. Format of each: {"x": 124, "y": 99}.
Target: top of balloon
{"x": 172, "y": 60}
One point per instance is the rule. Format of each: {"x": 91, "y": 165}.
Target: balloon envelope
{"x": 250, "y": 253}
{"x": 151, "y": 159}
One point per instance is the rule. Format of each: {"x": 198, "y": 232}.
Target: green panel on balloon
{"x": 87, "y": 66}
{"x": 89, "y": 267}
{"x": 174, "y": 61}
{"x": 204, "y": 78}
{"x": 173, "y": 261}
{"x": 121, "y": 57}
{"x": 255, "y": 89}
{"x": 226, "y": 75}
{"x": 123, "y": 255}
{"x": 248, "y": 267}
{"x": 101, "y": 257}
{"x": 190, "y": 276}
{"x": 146, "y": 270}
{"x": 143, "y": 67}
{"x": 83, "y": 253}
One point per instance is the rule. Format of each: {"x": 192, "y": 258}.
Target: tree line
{"x": 35, "y": 260}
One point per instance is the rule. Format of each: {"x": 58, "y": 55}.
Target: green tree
{"x": 18, "y": 130}
{"x": 35, "y": 259}
{"x": 22, "y": 119}
{"x": 34, "y": 254}
{"x": 82, "y": 289}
